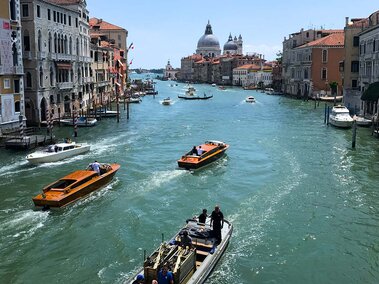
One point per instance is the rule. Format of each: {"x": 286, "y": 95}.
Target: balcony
{"x": 62, "y": 57}
{"x": 65, "y": 85}
{"x": 27, "y": 55}
{"x": 41, "y": 55}
{"x": 103, "y": 83}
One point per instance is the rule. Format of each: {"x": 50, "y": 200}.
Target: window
{"x": 7, "y": 84}
{"x": 25, "y": 10}
{"x": 17, "y": 106}
{"x": 324, "y": 74}
{"x": 48, "y": 14}
{"x": 356, "y": 41}
{"x": 325, "y": 56}
{"x": 26, "y": 43}
{"x": 69, "y": 20}
{"x": 55, "y": 16}
{"x": 28, "y": 80}
{"x": 76, "y": 22}
{"x": 354, "y": 83}
{"x": 38, "y": 11}
{"x": 16, "y": 86}
{"x": 65, "y": 19}
{"x": 355, "y": 66}
{"x": 119, "y": 37}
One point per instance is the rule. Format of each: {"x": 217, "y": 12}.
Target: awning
{"x": 372, "y": 92}
{"x": 118, "y": 84}
{"x": 119, "y": 62}
{"x": 66, "y": 66}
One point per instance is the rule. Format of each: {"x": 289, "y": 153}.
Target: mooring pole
{"x": 354, "y": 133}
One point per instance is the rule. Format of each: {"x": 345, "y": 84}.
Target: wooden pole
{"x": 127, "y": 110}
{"x": 354, "y": 133}
{"x": 59, "y": 116}
{"x": 75, "y": 124}
{"x": 325, "y": 111}
{"x": 327, "y": 116}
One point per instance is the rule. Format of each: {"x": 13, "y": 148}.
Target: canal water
{"x": 304, "y": 204}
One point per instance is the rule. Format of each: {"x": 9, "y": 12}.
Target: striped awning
{"x": 66, "y": 66}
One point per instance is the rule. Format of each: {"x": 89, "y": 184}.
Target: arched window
{"x": 41, "y": 77}
{"x": 55, "y": 43}
{"x": 12, "y": 5}
{"x": 39, "y": 41}
{"x": 14, "y": 54}
{"x": 77, "y": 46}
{"x": 26, "y": 40}
{"x": 51, "y": 77}
{"x": 50, "y": 43}
{"x": 70, "y": 46}
{"x": 51, "y": 99}
{"x": 325, "y": 55}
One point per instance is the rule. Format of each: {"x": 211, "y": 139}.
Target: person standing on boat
{"x": 165, "y": 276}
{"x": 217, "y": 220}
{"x": 203, "y": 216}
{"x": 96, "y": 167}
{"x": 200, "y": 151}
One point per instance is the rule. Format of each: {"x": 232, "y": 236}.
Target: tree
{"x": 279, "y": 57}
{"x": 333, "y": 87}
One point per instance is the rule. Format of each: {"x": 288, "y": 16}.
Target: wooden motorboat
{"x": 57, "y": 152}
{"x": 82, "y": 121}
{"x": 103, "y": 112}
{"x": 167, "y": 101}
{"x": 340, "y": 117}
{"x": 74, "y": 186}
{"x": 250, "y": 99}
{"x": 188, "y": 265}
{"x": 212, "y": 150}
{"x": 331, "y": 98}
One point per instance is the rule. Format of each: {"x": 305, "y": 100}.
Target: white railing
{"x": 65, "y": 85}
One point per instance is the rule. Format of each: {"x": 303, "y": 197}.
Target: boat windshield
{"x": 63, "y": 183}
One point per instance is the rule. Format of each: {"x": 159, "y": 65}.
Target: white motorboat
{"x": 250, "y": 99}
{"x": 57, "y": 152}
{"x": 188, "y": 265}
{"x": 167, "y": 101}
{"x": 340, "y": 117}
{"x": 190, "y": 91}
{"x": 214, "y": 85}
{"x": 81, "y": 122}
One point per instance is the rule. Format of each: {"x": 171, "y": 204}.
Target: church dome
{"x": 230, "y": 44}
{"x": 208, "y": 39}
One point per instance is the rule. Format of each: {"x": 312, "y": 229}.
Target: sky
{"x": 163, "y": 30}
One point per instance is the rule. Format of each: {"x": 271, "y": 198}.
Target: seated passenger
{"x": 186, "y": 240}
{"x": 194, "y": 151}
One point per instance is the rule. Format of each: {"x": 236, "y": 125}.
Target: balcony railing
{"x": 27, "y": 55}
{"x": 65, "y": 85}
{"x": 41, "y": 55}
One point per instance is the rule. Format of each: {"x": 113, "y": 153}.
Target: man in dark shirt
{"x": 203, "y": 216}
{"x": 217, "y": 219}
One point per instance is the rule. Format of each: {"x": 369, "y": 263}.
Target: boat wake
{"x": 10, "y": 169}
{"x": 156, "y": 180}
{"x": 262, "y": 209}
{"x": 20, "y": 225}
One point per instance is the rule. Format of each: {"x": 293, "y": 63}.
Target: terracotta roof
{"x": 249, "y": 67}
{"x": 334, "y": 39}
{"x": 103, "y": 25}
{"x": 359, "y": 23}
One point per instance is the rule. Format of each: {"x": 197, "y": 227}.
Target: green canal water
{"x": 304, "y": 205}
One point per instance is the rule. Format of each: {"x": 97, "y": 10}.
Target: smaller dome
{"x": 230, "y": 44}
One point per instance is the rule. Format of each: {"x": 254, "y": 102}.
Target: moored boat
{"x": 340, "y": 117}
{"x": 82, "y": 121}
{"x": 331, "y": 98}
{"x": 75, "y": 186}
{"x": 57, "y": 152}
{"x": 210, "y": 151}
{"x": 362, "y": 121}
{"x": 250, "y": 99}
{"x": 204, "y": 97}
{"x": 188, "y": 265}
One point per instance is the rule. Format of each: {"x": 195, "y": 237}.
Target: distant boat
{"x": 362, "y": 121}
{"x": 340, "y": 117}
{"x": 212, "y": 150}
{"x": 81, "y": 122}
{"x": 331, "y": 98}
{"x": 204, "y": 97}
{"x": 214, "y": 85}
{"x": 167, "y": 101}
{"x": 250, "y": 99}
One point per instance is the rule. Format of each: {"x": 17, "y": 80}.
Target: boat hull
{"x": 54, "y": 157}
{"x": 62, "y": 199}
{"x": 202, "y": 163}
{"x": 341, "y": 123}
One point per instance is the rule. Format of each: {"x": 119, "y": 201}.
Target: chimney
{"x": 346, "y": 21}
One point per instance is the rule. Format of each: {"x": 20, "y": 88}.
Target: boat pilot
{"x": 96, "y": 167}
{"x": 200, "y": 151}
{"x": 217, "y": 219}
